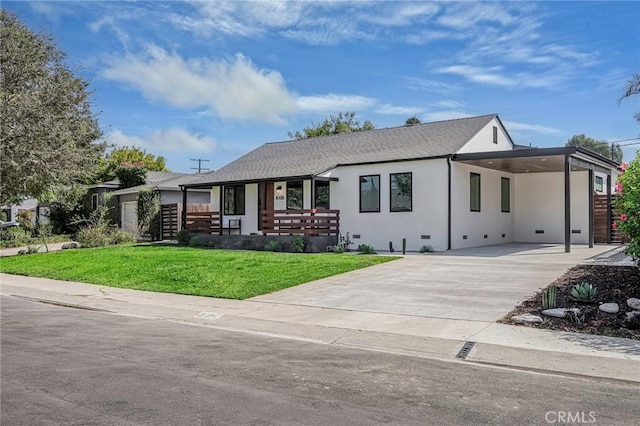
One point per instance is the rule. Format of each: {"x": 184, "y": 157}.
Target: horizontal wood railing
{"x": 203, "y": 222}
{"x": 301, "y": 222}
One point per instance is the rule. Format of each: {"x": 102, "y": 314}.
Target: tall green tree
{"x": 632, "y": 88}
{"x": 334, "y": 125}
{"x": 129, "y": 155}
{"x": 599, "y": 147}
{"x": 48, "y": 133}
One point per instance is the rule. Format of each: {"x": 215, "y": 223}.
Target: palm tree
{"x": 633, "y": 88}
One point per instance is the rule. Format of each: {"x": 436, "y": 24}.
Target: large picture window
{"x": 294, "y": 195}
{"x": 505, "y": 195}
{"x": 234, "y": 200}
{"x": 475, "y": 192}
{"x": 322, "y": 194}
{"x": 401, "y": 187}
{"x": 370, "y": 193}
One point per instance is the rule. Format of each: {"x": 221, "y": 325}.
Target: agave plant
{"x": 549, "y": 297}
{"x": 584, "y": 292}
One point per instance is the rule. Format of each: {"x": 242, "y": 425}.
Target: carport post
{"x": 609, "y": 219}
{"x": 567, "y": 204}
{"x": 183, "y": 219}
{"x": 590, "y": 208}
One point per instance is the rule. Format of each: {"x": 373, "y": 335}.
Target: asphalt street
{"x": 62, "y": 365}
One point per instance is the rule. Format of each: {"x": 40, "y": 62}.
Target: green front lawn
{"x": 186, "y": 270}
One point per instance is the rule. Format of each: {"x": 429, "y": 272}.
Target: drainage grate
{"x": 466, "y": 348}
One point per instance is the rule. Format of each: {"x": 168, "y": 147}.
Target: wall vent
{"x": 425, "y": 237}
{"x": 486, "y": 236}
{"x": 576, "y": 231}
{"x": 356, "y": 236}
{"x": 504, "y": 235}
{"x": 539, "y": 231}
{"x": 464, "y": 237}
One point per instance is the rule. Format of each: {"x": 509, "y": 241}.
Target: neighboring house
{"x": 448, "y": 184}
{"x": 39, "y": 212}
{"x": 167, "y": 184}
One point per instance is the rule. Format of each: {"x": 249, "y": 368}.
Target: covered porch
{"x": 286, "y": 206}
{"x": 536, "y": 172}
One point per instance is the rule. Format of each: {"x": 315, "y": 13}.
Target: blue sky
{"x": 214, "y": 80}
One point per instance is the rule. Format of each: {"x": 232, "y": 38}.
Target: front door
{"x": 265, "y": 199}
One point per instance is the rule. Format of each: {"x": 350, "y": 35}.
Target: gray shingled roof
{"x": 312, "y": 156}
{"x": 162, "y": 180}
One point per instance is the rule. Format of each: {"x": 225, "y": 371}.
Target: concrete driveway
{"x": 478, "y": 284}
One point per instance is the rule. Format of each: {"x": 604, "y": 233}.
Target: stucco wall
{"x": 483, "y": 140}
{"x": 540, "y": 206}
{"x": 490, "y": 220}
{"x": 428, "y": 217}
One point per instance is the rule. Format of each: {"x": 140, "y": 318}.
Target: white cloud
{"x": 168, "y": 140}
{"x": 467, "y": 15}
{"x": 514, "y": 126}
{"x": 402, "y": 14}
{"x": 488, "y": 75}
{"x": 398, "y": 110}
{"x": 449, "y": 104}
{"x": 233, "y": 88}
{"x": 334, "y": 103}
{"x": 415, "y": 83}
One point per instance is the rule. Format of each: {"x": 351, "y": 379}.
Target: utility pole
{"x": 199, "y": 168}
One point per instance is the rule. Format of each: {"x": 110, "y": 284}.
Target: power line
{"x": 200, "y": 161}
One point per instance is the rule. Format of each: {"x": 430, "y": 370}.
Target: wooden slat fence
{"x": 600, "y": 225}
{"x": 204, "y": 222}
{"x": 171, "y": 217}
{"x": 301, "y": 222}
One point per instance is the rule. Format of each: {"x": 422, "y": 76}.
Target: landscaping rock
{"x": 68, "y": 246}
{"x": 559, "y": 312}
{"x": 633, "y": 315}
{"x": 526, "y": 319}
{"x": 634, "y": 303}
{"x": 610, "y": 308}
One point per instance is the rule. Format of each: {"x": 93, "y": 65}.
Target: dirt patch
{"x": 615, "y": 284}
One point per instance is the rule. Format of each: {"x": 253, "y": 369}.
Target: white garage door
{"x": 129, "y": 211}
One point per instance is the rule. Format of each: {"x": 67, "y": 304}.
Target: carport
{"x": 546, "y": 160}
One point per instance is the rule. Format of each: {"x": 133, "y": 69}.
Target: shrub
{"x": 273, "y": 245}
{"x": 426, "y": 249}
{"x": 183, "y": 237}
{"x": 584, "y": 292}
{"x": 339, "y": 248}
{"x": 201, "y": 241}
{"x": 120, "y": 236}
{"x": 15, "y": 234}
{"x": 24, "y": 217}
{"x": 297, "y": 244}
{"x": 628, "y": 203}
{"x": 67, "y": 204}
{"x": 366, "y": 249}
{"x": 149, "y": 214}
{"x": 92, "y": 236}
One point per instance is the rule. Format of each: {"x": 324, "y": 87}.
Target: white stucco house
{"x": 448, "y": 184}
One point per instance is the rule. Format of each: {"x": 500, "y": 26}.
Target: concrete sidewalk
{"x": 496, "y": 344}
{"x": 13, "y": 251}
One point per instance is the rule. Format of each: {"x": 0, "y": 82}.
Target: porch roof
{"x": 538, "y": 160}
